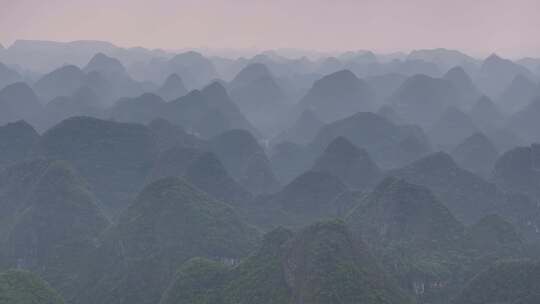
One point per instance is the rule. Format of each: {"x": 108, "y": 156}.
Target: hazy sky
{"x": 508, "y": 27}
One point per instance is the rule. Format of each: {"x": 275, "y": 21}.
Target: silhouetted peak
{"x": 493, "y": 59}
{"x": 190, "y": 55}
{"x": 456, "y": 72}
{"x": 252, "y": 72}
{"x": 341, "y": 146}
{"x": 419, "y": 83}
{"x": 173, "y": 80}
{"x": 102, "y": 62}
{"x": 215, "y": 90}
{"x": 18, "y": 126}
{"x": 495, "y": 64}
{"x": 67, "y": 71}
{"x": 18, "y": 90}
{"x": 343, "y": 76}
{"x": 150, "y": 97}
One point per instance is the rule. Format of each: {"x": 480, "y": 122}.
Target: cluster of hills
{"x": 134, "y": 176}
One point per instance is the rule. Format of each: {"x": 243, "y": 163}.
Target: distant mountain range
{"x": 135, "y": 176}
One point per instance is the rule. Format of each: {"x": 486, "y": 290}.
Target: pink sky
{"x": 508, "y": 27}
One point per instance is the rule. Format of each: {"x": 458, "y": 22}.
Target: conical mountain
{"x": 329, "y": 247}
{"x": 141, "y": 109}
{"x": 463, "y": 82}
{"x": 259, "y": 96}
{"x": 24, "y": 287}
{"x": 519, "y": 93}
{"x": 496, "y": 73}
{"x": 194, "y": 69}
{"x": 302, "y": 268}
{"x": 207, "y": 113}
{"x": 218, "y": 99}
{"x": 421, "y": 99}
{"x": 452, "y": 127}
{"x": 349, "y": 163}
{"x": 303, "y": 130}
{"x": 113, "y": 157}
{"x": 405, "y": 225}
{"x": 468, "y": 196}
{"x": 337, "y": 96}
{"x": 245, "y": 160}
{"x": 169, "y": 222}
{"x": 63, "y": 81}
{"x": 172, "y": 89}
{"x": 17, "y": 140}
{"x": 386, "y": 142}
{"x": 58, "y": 227}
{"x": 444, "y": 58}
{"x": 203, "y": 170}
{"x": 105, "y": 65}
{"x": 112, "y": 70}
{"x": 516, "y": 281}
{"x": 401, "y": 213}
{"x": 18, "y": 101}
{"x": 486, "y": 115}
{"x": 477, "y": 154}
{"x": 251, "y": 73}
{"x": 83, "y": 102}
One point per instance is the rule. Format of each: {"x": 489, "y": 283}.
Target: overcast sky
{"x": 479, "y": 27}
